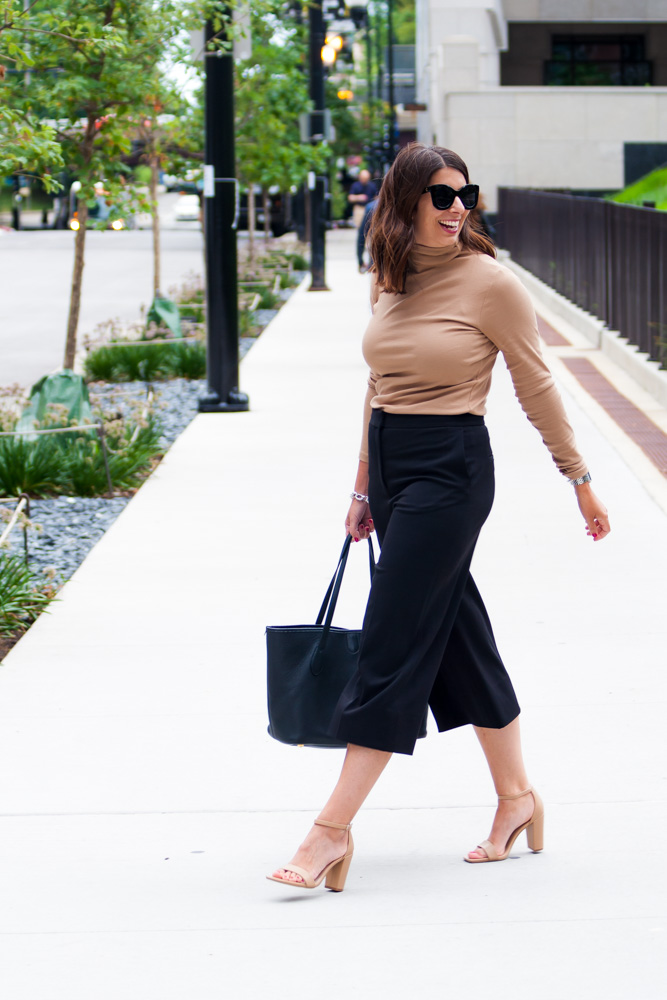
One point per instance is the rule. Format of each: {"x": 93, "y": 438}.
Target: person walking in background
{"x": 443, "y": 308}
{"x": 362, "y": 234}
{"x": 361, "y": 192}
{"x": 480, "y": 219}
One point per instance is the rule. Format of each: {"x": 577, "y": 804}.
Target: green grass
{"x": 652, "y": 187}
{"x": 21, "y": 598}
{"x": 146, "y": 362}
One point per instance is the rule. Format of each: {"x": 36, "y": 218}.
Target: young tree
{"x": 172, "y": 135}
{"x": 93, "y": 70}
{"x": 271, "y": 94}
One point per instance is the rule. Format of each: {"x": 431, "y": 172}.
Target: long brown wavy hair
{"x": 391, "y": 234}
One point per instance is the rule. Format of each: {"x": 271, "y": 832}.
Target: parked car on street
{"x": 187, "y": 208}
{"x": 101, "y": 211}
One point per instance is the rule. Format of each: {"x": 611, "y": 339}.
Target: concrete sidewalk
{"x": 142, "y": 801}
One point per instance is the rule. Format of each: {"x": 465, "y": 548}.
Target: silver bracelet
{"x": 581, "y": 480}
{"x": 359, "y": 496}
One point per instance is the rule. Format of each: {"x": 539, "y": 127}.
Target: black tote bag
{"x": 307, "y": 668}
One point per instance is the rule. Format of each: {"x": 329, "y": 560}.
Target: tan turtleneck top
{"x": 432, "y": 349}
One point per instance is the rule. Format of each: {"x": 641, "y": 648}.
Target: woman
{"x": 442, "y": 309}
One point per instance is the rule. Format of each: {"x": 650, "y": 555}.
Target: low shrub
{"x": 289, "y": 280}
{"x": 73, "y": 464}
{"x": 188, "y": 360}
{"x": 148, "y": 362}
{"x": 248, "y": 326}
{"x": 30, "y": 466}
{"x": 22, "y": 597}
{"x": 268, "y": 300}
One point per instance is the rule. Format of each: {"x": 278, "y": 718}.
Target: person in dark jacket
{"x": 362, "y": 233}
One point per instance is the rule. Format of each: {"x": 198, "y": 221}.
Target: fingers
{"x": 359, "y": 522}
{"x": 598, "y": 528}
{"x": 594, "y": 513}
{"x": 366, "y": 528}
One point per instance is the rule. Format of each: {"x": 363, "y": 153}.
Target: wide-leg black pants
{"x": 427, "y": 639}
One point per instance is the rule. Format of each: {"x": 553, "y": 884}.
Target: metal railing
{"x": 610, "y": 259}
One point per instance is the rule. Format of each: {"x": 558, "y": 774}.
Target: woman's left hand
{"x": 594, "y": 512}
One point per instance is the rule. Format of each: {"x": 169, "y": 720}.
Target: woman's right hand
{"x": 359, "y": 522}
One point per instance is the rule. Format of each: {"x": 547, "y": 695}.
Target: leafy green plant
{"x": 126, "y": 363}
{"x": 188, "y": 360}
{"x": 268, "y": 300}
{"x": 129, "y": 460}
{"x": 146, "y": 362}
{"x": 247, "y": 323}
{"x": 73, "y": 464}
{"x": 30, "y": 466}
{"x": 193, "y": 313}
{"x": 21, "y": 597}
{"x": 299, "y": 262}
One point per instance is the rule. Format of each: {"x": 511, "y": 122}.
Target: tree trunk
{"x": 266, "y": 204}
{"x": 156, "y": 222}
{"x": 79, "y": 248}
{"x": 251, "y": 225}
{"x": 77, "y": 277}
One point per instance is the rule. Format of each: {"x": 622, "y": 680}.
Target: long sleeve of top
{"x": 432, "y": 350}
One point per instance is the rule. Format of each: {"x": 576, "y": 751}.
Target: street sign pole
{"x": 220, "y": 219}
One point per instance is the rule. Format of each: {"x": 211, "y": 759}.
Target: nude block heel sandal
{"x": 534, "y": 831}
{"x": 334, "y": 873}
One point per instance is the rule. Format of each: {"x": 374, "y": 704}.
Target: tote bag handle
{"x": 331, "y": 597}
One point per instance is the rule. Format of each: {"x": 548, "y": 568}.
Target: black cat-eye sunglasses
{"x": 442, "y": 195}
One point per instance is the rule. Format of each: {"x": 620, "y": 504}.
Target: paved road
{"x": 36, "y": 270}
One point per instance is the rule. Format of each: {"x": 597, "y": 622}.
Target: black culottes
{"x": 427, "y": 639}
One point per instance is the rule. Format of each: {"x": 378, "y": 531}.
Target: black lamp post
{"x": 317, "y": 184}
{"x": 393, "y": 144}
{"x": 220, "y": 217}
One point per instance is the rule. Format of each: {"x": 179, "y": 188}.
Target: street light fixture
{"x": 328, "y": 54}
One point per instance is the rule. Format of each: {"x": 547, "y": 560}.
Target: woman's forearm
{"x": 361, "y": 482}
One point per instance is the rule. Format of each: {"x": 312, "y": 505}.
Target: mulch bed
{"x": 6, "y": 643}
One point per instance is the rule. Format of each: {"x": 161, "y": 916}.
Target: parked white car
{"x": 187, "y": 208}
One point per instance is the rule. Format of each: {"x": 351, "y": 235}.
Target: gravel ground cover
{"x": 70, "y": 526}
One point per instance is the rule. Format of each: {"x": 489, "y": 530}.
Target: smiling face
{"x": 435, "y": 228}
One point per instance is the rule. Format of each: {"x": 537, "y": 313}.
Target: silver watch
{"x": 581, "y": 480}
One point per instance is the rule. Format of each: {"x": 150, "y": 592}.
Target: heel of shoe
{"x": 336, "y": 877}
{"x": 535, "y": 833}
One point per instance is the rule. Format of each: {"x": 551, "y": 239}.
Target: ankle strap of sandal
{"x": 334, "y": 826}
{"x": 518, "y": 795}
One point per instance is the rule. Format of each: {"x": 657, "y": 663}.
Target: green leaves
{"x": 21, "y": 599}
{"x": 146, "y": 362}
{"x": 73, "y": 464}
{"x": 271, "y": 93}
{"x": 29, "y": 147}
